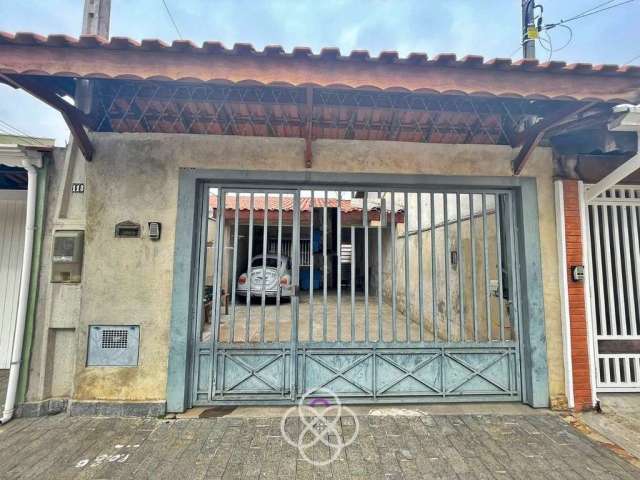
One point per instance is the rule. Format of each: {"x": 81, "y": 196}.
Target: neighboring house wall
{"x": 464, "y": 255}
{"x": 13, "y": 211}
{"x": 135, "y": 177}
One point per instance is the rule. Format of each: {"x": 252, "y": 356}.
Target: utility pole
{"x": 528, "y": 43}
{"x": 95, "y": 19}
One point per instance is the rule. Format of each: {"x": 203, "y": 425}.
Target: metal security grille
{"x": 614, "y": 220}
{"x": 115, "y": 338}
{"x": 385, "y": 296}
{"x": 150, "y": 106}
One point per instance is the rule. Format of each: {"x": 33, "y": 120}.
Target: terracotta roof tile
{"x": 287, "y": 203}
{"x": 443, "y": 74}
{"x": 209, "y": 47}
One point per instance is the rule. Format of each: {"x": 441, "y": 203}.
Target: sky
{"x": 490, "y": 28}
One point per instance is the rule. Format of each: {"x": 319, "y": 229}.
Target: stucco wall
{"x": 464, "y": 253}
{"x": 135, "y": 177}
{"x": 53, "y": 353}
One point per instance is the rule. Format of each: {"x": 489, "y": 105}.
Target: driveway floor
{"x": 386, "y": 447}
{"x": 320, "y": 322}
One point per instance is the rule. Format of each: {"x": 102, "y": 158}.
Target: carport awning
{"x": 153, "y": 87}
{"x": 12, "y": 156}
{"x": 62, "y": 56}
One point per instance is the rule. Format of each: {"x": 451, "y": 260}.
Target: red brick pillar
{"x": 577, "y": 316}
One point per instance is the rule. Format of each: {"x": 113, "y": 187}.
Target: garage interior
{"x": 430, "y": 268}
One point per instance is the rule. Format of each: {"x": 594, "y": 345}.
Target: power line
{"x": 166, "y": 7}
{"x": 632, "y": 60}
{"x": 516, "y": 50}
{"x": 548, "y": 40}
{"x": 603, "y": 4}
{"x": 550, "y": 48}
{"x": 14, "y": 131}
{"x": 588, "y": 13}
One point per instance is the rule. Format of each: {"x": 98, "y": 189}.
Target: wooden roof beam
{"x": 73, "y": 117}
{"x": 530, "y": 138}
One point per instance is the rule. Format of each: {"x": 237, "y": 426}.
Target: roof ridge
{"x": 325, "y": 54}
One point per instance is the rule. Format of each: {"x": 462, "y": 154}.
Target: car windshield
{"x": 271, "y": 262}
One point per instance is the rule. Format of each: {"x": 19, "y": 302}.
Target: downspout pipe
{"x": 23, "y": 298}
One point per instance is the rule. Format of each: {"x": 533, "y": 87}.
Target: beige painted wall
{"x": 135, "y": 177}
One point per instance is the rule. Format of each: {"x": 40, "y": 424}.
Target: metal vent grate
{"x": 115, "y": 338}
{"x": 113, "y": 345}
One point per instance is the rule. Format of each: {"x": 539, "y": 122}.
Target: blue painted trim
{"x": 178, "y": 385}
{"x": 533, "y": 348}
{"x": 535, "y": 373}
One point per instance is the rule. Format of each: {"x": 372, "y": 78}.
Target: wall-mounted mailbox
{"x": 66, "y": 262}
{"x": 127, "y": 229}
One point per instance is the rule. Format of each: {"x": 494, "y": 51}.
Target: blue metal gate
{"x": 378, "y": 296}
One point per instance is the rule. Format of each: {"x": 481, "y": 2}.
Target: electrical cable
{"x": 166, "y": 7}
{"x": 570, "y": 37}
{"x": 632, "y": 60}
{"x": 603, "y": 4}
{"x": 587, "y": 13}
{"x": 516, "y": 51}
{"x": 14, "y": 131}
{"x": 548, "y": 40}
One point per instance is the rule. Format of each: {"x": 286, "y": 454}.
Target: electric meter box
{"x": 66, "y": 263}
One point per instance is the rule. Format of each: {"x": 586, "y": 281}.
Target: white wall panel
{"x": 12, "y": 221}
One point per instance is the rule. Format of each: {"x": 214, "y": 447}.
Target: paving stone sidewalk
{"x": 387, "y": 447}
{"x": 619, "y": 421}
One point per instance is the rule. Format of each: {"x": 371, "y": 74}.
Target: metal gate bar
{"x": 407, "y": 303}
{"x": 339, "y": 267}
{"x": 379, "y": 292}
{"x": 394, "y": 290}
{"x": 249, "y": 258}
{"x": 311, "y": 269}
{"x": 474, "y": 303}
{"x": 279, "y": 254}
{"x": 434, "y": 283}
{"x": 235, "y": 266}
{"x": 486, "y": 264}
{"x": 420, "y": 270}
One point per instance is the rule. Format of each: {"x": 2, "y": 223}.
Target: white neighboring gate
{"x": 614, "y": 242}
{"x": 12, "y": 220}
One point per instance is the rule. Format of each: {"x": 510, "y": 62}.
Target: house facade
{"x": 417, "y": 202}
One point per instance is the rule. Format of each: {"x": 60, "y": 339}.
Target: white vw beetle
{"x": 272, "y": 278}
